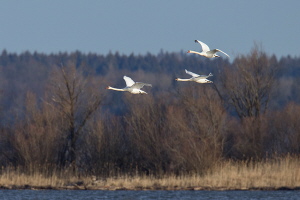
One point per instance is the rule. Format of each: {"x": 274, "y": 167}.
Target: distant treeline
{"x": 56, "y": 113}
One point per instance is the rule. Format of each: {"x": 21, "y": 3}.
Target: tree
{"x": 35, "y": 137}
{"x": 197, "y": 123}
{"x": 74, "y": 98}
{"x": 145, "y": 127}
{"x": 247, "y": 85}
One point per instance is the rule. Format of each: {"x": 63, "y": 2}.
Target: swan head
{"x": 108, "y": 87}
{"x": 189, "y": 51}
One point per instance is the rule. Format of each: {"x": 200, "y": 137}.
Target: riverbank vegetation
{"x": 61, "y": 127}
{"x": 275, "y": 174}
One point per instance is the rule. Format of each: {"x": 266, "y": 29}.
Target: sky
{"x": 140, "y": 26}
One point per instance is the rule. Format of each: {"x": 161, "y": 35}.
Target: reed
{"x": 269, "y": 174}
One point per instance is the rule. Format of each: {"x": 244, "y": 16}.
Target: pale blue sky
{"x": 139, "y": 26}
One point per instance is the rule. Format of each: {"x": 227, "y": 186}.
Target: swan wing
{"x": 205, "y": 48}
{"x": 218, "y": 50}
{"x": 201, "y": 77}
{"x": 191, "y": 73}
{"x": 129, "y": 81}
{"x": 139, "y": 85}
{"x": 206, "y": 76}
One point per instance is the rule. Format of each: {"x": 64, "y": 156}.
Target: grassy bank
{"x": 281, "y": 173}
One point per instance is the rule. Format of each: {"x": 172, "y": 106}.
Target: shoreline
{"x": 280, "y": 174}
{"x": 166, "y": 188}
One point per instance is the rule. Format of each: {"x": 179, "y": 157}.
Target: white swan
{"x": 196, "y": 77}
{"x": 131, "y": 86}
{"x": 206, "y": 52}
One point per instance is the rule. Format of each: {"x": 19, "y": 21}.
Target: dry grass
{"x": 17, "y": 178}
{"x": 284, "y": 172}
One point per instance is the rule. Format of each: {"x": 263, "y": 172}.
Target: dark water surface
{"x": 97, "y": 194}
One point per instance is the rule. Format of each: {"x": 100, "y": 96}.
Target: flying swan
{"x": 196, "y": 77}
{"x": 206, "y": 52}
{"x": 131, "y": 86}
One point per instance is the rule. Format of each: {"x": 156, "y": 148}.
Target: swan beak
{"x": 107, "y": 87}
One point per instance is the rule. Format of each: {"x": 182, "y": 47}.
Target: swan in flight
{"x": 206, "y": 52}
{"x": 196, "y": 77}
{"x": 131, "y": 86}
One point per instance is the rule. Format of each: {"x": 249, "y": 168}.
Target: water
{"x": 131, "y": 195}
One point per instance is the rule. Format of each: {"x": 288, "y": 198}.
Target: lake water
{"x": 129, "y": 195}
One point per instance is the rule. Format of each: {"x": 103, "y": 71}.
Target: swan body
{"x": 196, "y": 77}
{"x": 206, "y": 52}
{"x": 131, "y": 86}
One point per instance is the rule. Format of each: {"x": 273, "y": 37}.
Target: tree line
{"x": 56, "y": 113}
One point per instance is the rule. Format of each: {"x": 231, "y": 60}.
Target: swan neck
{"x": 117, "y": 89}
{"x": 180, "y": 79}
{"x": 195, "y": 52}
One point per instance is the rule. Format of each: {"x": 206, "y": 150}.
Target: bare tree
{"x": 285, "y": 130}
{"x": 76, "y": 98}
{"x": 35, "y": 137}
{"x": 247, "y": 85}
{"x": 196, "y": 123}
{"x": 145, "y": 127}
{"x": 107, "y": 147}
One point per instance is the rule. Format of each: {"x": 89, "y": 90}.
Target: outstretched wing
{"x": 129, "y": 81}
{"x": 139, "y": 85}
{"x": 191, "y": 73}
{"x": 205, "y": 48}
{"x": 218, "y": 50}
{"x": 205, "y": 76}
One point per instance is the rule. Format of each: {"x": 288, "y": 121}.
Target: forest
{"x": 57, "y": 114}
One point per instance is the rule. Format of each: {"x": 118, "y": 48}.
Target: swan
{"x": 131, "y": 86}
{"x": 206, "y": 52}
{"x": 196, "y": 77}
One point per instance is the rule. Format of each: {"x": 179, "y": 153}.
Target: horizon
{"x": 141, "y": 27}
